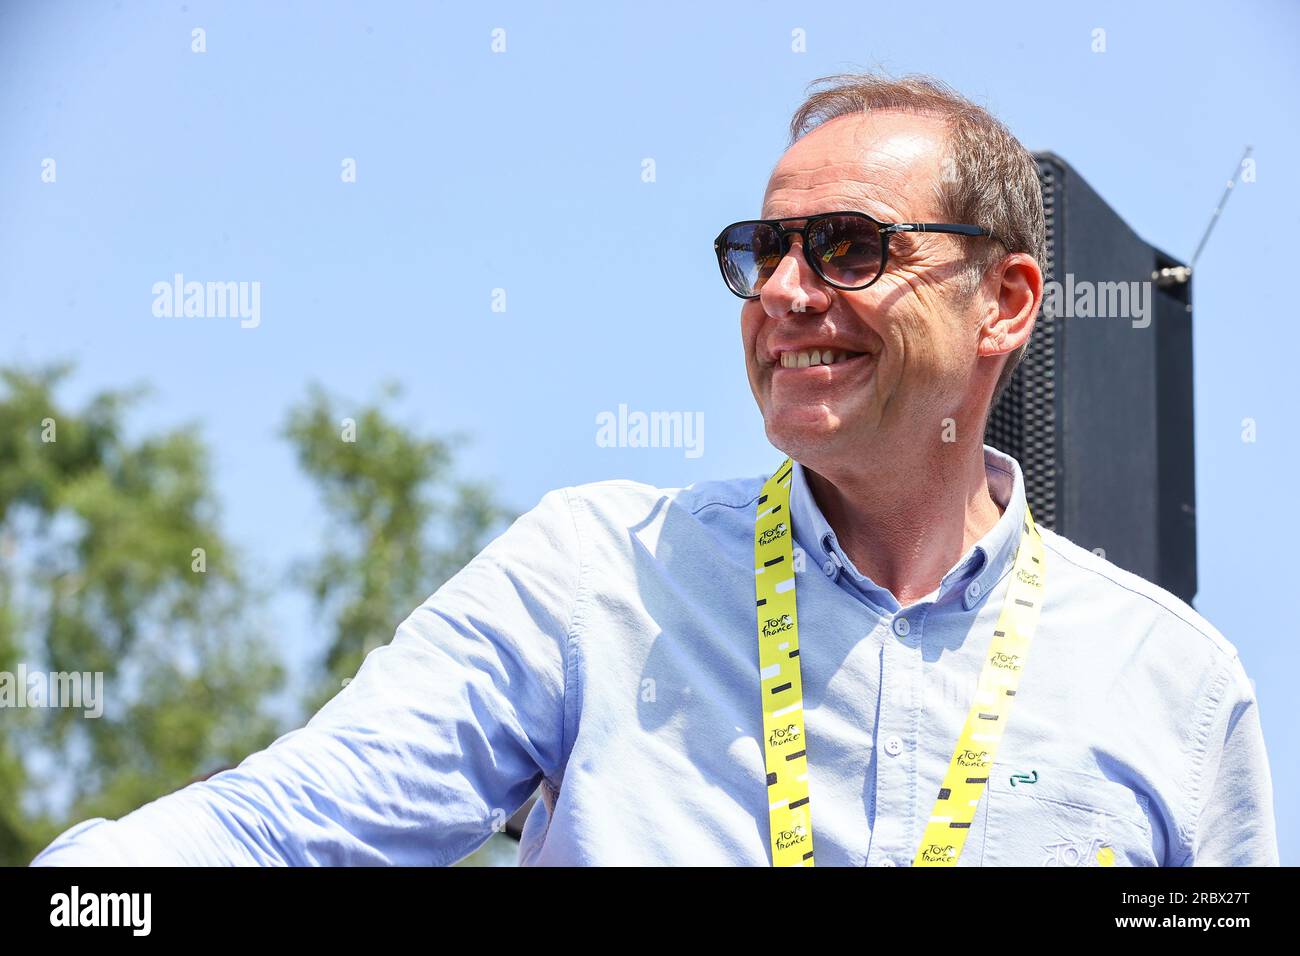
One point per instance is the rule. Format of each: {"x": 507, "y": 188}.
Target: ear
{"x": 1016, "y": 285}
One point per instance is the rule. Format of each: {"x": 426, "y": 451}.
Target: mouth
{"x": 819, "y": 364}
{"x": 806, "y": 358}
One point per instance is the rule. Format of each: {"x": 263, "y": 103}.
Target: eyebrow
{"x": 847, "y": 207}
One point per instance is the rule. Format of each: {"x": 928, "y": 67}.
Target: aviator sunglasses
{"x": 847, "y": 249}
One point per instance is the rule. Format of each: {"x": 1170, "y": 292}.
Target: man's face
{"x": 913, "y": 330}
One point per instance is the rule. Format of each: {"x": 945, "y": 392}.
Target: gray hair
{"x": 989, "y": 178}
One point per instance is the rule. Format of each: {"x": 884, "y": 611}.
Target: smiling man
{"x": 870, "y": 655}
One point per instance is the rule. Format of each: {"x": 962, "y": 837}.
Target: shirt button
{"x": 829, "y": 568}
{"x": 973, "y": 591}
{"x": 901, "y": 626}
{"x": 887, "y": 862}
{"x": 894, "y": 746}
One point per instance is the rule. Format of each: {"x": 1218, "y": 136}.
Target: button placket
{"x": 895, "y": 763}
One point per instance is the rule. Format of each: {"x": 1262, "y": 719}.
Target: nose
{"x": 794, "y": 286}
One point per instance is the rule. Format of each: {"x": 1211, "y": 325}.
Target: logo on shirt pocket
{"x": 1064, "y": 818}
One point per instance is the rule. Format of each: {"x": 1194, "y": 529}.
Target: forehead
{"x": 885, "y": 164}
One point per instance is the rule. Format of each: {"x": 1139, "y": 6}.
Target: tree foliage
{"x": 399, "y": 523}
{"x": 112, "y": 560}
{"x": 98, "y": 539}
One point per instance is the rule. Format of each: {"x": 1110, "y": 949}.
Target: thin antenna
{"x": 1223, "y": 201}
{"x": 1182, "y": 273}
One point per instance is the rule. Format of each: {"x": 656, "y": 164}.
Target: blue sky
{"x": 479, "y": 171}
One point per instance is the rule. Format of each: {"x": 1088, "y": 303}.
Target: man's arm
{"x": 439, "y": 738}
{"x": 1235, "y": 826}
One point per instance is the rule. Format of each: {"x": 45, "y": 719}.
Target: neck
{"x": 905, "y": 522}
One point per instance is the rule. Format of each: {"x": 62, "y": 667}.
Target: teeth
{"x": 811, "y": 357}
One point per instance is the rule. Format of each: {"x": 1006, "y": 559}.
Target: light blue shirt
{"x": 604, "y": 648}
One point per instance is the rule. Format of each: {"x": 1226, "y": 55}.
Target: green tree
{"x": 112, "y": 561}
{"x": 400, "y": 524}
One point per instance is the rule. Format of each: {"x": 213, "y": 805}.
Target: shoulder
{"x": 1089, "y": 580}
{"x": 621, "y": 500}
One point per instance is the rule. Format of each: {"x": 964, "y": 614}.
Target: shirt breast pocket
{"x": 1050, "y": 816}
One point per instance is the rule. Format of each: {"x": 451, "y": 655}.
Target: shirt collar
{"x": 975, "y": 574}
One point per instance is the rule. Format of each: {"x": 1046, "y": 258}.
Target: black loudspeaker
{"x": 1099, "y": 412}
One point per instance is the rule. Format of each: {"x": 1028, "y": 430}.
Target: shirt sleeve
{"x": 437, "y": 740}
{"x": 1236, "y": 825}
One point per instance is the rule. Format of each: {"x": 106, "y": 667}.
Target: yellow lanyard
{"x": 784, "y": 739}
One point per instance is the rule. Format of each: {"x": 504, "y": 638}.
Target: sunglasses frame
{"x": 885, "y": 230}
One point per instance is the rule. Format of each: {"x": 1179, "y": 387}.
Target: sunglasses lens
{"x": 847, "y": 249}
{"x": 749, "y": 253}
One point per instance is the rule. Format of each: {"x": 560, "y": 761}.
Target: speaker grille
{"x": 1023, "y": 422}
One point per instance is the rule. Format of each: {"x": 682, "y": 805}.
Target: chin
{"x": 804, "y": 429}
